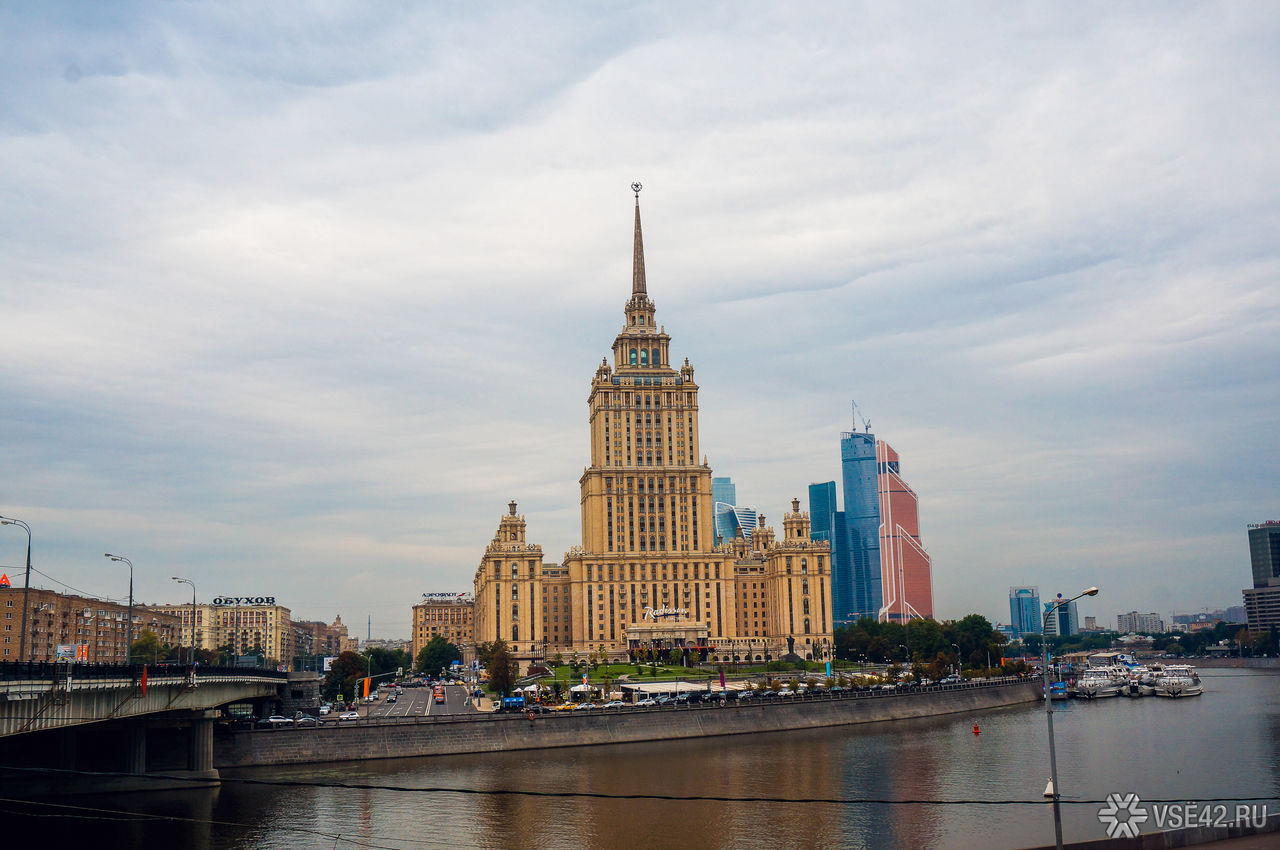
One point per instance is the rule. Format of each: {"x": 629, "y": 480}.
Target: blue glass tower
{"x": 1024, "y": 611}
{"x": 856, "y": 590}
{"x": 822, "y": 509}
{"x": 724, "y": 495}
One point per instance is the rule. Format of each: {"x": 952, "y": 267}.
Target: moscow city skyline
{"x": 296, "y": 303}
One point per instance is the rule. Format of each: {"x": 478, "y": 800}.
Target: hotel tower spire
{"x": 637, "y": 251}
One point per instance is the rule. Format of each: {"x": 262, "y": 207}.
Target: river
{"x": 1225, "y": 743}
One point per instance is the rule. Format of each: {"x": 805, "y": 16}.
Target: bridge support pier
{"x": 136, "y": 754}
{"x": 200, "y": 751}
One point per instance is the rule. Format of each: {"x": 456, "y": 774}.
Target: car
{"x": 614, "y": 703}
{"x": 583, "y": 705}
{"x": 647, "y": 702}
{"x": 275, "y": 720}
{"x": 305, "y": 720}
{"x": 325, "y": 709}
{"x": 247, "y": 721}
{"x": 349, "y": 715}
{"x": 391, "y": 699}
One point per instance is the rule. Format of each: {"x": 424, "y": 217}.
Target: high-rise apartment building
{"x": 1134, "y": 622}
{"x": 858, "y": 590}
{"x": 1024, "y": 611}
{"x": 906, "y": 569}
{"x": 649, "y": 574}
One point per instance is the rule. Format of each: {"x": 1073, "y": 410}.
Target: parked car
{"x": 349, "y": 715}
{"x": 614, "y": 703}
{"x": 647, "y": 702}
{"x": 583, "y": 705}
{"x": 275, "y": 720}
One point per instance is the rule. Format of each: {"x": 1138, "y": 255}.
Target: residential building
{"x": 1135, "y": 622}
{"x": 906, "y": 568}
{"x": 1024, "y": 611}
{"x": 449, "y": 615}
{"x": 238, "y": 626}
{"x": 649, "y": 574}
{"x": 93, "y": 631}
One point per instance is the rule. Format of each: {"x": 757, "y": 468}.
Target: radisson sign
{"x": 655, "y": 613}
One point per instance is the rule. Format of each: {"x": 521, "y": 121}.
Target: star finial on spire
{"x": 636, "y": 187}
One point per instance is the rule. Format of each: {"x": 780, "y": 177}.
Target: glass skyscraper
{"x": 822, "y": 508}
{"x": 856, "y": 591}
{"x": 1024, "y": 611}
{"x": 724, "y": 495}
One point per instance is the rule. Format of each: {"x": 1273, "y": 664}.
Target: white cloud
{"x": 308, "y": 297}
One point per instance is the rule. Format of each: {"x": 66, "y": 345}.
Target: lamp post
{"x": 26, "y": 584}
{"x": 959, "y": 663}
{"x": 128, "y": 633}
{"x": 192, "y": 652}
{"x": 1048, "y": 711}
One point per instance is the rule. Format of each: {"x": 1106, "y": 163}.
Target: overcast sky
{"x": 297, "y": 298}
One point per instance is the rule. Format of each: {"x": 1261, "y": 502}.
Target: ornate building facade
{"x": 649, "y": 573}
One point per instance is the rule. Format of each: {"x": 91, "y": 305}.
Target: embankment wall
{"x": 492, "y": 733}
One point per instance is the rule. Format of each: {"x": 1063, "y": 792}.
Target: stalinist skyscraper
{"x": 650, "y": 574}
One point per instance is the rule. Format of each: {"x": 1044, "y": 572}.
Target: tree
{"x": 502, "y": 670}
{"x": 343, "y": 674}
{"x": 145, "y": 647}
{"x": 382, "y": 660}
{"x": 436, "y": 655}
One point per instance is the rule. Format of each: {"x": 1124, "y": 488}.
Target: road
{"x": 416, "y": 702}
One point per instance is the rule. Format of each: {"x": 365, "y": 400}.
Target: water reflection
{"x": 1224, "y": 743}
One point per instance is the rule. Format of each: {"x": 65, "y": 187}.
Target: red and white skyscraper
{"x": 905, "y": 568}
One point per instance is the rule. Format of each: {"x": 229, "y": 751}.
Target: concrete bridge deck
{"x": 42, "y": 697}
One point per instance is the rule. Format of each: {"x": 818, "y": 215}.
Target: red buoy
{"x": 976, "y": 730}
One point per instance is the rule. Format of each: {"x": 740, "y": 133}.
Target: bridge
{"x": 101, "y": 718}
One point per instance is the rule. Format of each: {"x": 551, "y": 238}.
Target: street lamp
{"x": 26, "y": 585}
{"x": 958, "y": 661}
{"x": 192, "y": 652}
{"x": 128, "y": 639}
{"x": 1048, "y": 711}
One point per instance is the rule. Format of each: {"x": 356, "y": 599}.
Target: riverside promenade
{"x": 457, "y": 734}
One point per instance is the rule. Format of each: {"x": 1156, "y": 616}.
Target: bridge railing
{"x": 19, "y": 671}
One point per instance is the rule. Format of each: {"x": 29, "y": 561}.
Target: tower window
{"x": 644, "y": 357}
{"x": 633, "y": 357}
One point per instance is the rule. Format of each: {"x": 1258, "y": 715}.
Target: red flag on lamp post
{"x": 144, "y": 680}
